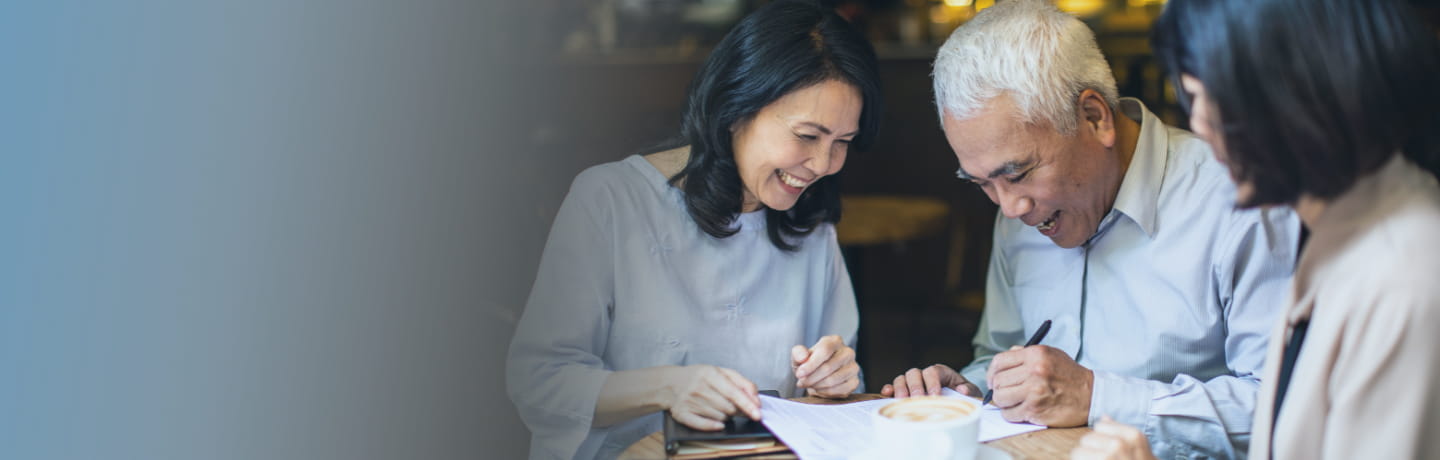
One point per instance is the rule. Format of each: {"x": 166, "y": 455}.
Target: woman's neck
{"x": 1310, "y": 208}
{"x": 670, "y": 162}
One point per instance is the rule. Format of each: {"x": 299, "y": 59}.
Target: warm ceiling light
{"x": 1080, "y": 7}
{"x": 957, "y": 2}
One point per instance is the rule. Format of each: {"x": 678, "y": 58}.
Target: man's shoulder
{"x": 1191, "y": 161}
{"x": 1198, "y": 192}
{"x": 1193, "y": 177}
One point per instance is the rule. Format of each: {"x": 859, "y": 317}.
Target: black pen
{"x": 1034, "y": 340}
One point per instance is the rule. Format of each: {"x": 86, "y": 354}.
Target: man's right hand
{"x": 930, "y": 381}
{"x": 702, "y": 397}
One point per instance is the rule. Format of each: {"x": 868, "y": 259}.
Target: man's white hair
{"x": 1038, "y": 56}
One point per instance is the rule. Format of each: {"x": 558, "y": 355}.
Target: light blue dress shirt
{"x": 629, "y": 281}
{"x": 1170, "y": 303}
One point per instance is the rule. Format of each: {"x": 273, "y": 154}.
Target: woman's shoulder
{"x": 1404, "y": 233}
{"x": 820, "y": 242}
{"x": 627, "y": 193}
{"x": 824, "y": 233}
{"x": 603, "y": 176}
{"x": 1390, "y": 259}
{"x": 616, "y": 178}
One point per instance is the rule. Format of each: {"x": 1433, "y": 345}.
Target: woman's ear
{"x": 1097, "y": 116}
{"x": 740, "y": 123}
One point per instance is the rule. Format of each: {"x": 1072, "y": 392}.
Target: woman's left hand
{"x": 1113, "y": 440}
{"x": 827, "y": 370}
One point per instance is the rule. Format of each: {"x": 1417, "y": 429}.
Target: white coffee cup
{"x": 929, "y": 427}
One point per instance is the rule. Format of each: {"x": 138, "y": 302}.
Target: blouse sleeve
{"x": 840, "y": 316}
{"x": 554, "y": 371}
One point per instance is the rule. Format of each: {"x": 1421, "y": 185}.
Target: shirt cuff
{"x": 1125, "y": 399}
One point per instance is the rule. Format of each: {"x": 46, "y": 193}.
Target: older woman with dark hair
{"x": 688, "y": 278}
{"x": 1328, "y": 106}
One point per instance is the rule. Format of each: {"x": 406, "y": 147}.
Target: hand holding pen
{"x": 1034, "y": 340}
{"x": 1040, "y": 384}
{"x": 933, "y": 379}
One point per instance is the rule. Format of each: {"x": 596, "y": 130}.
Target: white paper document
{"x": 834, "y": 431}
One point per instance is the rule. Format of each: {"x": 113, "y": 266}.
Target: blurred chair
{"x": 956, "y": 295}
{"x": 871, "y": 220}
{"x": 897, "y": 223}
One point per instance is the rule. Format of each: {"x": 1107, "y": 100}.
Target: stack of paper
{"x": 817, "y": 431}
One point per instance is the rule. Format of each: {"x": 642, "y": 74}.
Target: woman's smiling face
{"x": 793, "y": 142}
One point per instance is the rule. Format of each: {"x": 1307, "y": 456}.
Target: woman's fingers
{"x": 1100, "y": 442}
{"x": 696, "y": 421}
{"x": 1113, "y": 441}
{"x": 840, "y": 383}
{"x": 819, "y": 354}
{"x": 798, "y": 355}
{"x": 741, "y": 392}
{"x": 841, "y": 358}
{"x": 717, "y": 403}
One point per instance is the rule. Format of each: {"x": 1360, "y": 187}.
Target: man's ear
{"x": 1097, "y": 116}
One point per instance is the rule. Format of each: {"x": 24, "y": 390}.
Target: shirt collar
{"x": 1140, "y": 189}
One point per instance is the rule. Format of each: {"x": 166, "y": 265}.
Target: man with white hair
{"x": 1160, "y": 293}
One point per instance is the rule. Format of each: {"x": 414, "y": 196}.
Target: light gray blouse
{"x": 629, "y": 281}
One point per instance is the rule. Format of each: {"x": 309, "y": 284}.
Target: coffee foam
{"x": 927, "y": 409}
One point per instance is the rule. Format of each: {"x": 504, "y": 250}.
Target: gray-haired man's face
{"x": 1061, "y": 185}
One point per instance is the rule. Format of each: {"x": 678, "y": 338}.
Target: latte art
{"x": 928, "y": 427}
{"x": 927, "y": 409}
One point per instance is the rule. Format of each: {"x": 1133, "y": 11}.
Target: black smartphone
{"x": 736, "y": 427}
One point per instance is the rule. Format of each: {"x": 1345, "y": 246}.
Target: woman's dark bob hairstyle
{"x": 782, "y": 47}
{"x": 1311, "y": 94}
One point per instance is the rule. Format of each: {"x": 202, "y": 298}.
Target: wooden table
{"x": 1036, "y": 445}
